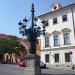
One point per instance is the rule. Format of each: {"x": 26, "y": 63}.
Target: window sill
{"x": 55, "y": 23}
{"x": 47, "y": 46}
{"x": 64, "y": 21}
{"x": 56, "y": 45}
{"x": 56, "y": 62}
{"x": 67, "y": 44}
{"x": 68, "y": 62}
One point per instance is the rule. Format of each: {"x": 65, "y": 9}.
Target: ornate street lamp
{"x": 32, "y": 33}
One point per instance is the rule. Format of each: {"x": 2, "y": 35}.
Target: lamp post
{"x": 32, "y": 33}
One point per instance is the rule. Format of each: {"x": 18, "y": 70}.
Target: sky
{"x": 12, "y": 11}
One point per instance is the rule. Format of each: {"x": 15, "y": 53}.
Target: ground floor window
{"x": 56, "y": 57}
{"x": 67, "y": 57}
{"x": 47, "y": 58}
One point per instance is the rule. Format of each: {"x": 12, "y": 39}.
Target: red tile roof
{"x": 3, "y": 36}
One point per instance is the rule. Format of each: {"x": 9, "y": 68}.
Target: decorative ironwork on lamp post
{"x": 33, "y": 32}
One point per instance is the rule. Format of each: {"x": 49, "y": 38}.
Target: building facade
{"x": 58, "y": 44}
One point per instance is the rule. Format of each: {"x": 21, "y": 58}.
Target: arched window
{"x": 66, "y": 38}
{"x": 47, "y": 40}
{"x": 56, "y": 38}
{"x": 66, "y": 35}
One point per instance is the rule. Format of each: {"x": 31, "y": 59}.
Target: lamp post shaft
{"x": 33, "y": 16}
{"x": 33, "y": 35}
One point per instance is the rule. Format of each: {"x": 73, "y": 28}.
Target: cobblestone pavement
{"x": 6, "y": 69}
{"x": 9, "y": 69}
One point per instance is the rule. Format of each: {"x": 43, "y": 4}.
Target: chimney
{"x": 56, "y": 6}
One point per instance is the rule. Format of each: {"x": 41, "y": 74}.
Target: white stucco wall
{"x": 61, "y": 57}
{"x": 58, "y": 27}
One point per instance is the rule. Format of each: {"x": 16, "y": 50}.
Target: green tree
{"x": 10, "y": 45}
{"x": 4, "y": 45}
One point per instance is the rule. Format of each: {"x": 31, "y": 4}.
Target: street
{"x": 6, "y": 69}
{"x": 11, "y": 69}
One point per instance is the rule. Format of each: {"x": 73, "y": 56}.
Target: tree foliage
{"x": 9, "y": 45}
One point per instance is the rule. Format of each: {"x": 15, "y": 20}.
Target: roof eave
{"x": 56, "y": 10}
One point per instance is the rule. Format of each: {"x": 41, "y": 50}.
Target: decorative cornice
{"x": 55, "y": 32}
{"x": 65, "y": 30}
{"x": 47, "y": 34}
{"x": 61, "y": 48}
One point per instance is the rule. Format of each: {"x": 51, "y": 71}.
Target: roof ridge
{"x": 57, "y": 10}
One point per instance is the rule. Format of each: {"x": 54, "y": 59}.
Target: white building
{"x": 58, "y": 45}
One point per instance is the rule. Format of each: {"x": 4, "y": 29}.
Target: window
{"x": 47, "y": 58}
{"x": 64, "y": 18}
{"x": 67, "y": 57}
{"x": 66, "y": 38}
{"x": 46, "y": 23}
{"x": 56, "y": 57}
{"x": 46, "y": 41}
{"x": 56, "y": 40}
{"x": 54, "y": 20}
